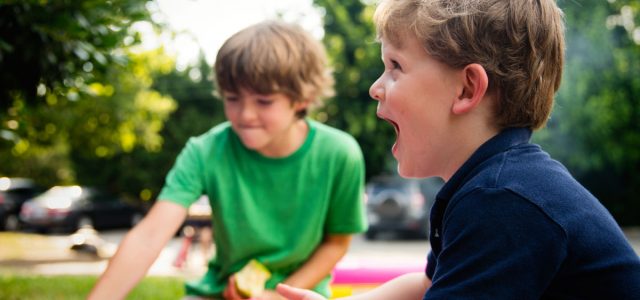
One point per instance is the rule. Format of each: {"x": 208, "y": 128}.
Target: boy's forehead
{"x": 387, "y": 46}
{"x": 400, "y": 39}
{"x": 400, "y": 43}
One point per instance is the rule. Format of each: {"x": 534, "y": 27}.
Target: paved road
{"x": 384, "y": 252}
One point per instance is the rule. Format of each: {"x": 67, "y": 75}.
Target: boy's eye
{"x": 231, "y": 98}
{"x": 265, "y": 101}
{"x": 396, "y": 65}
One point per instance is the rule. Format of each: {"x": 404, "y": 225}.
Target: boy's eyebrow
{"x": 391, "y": 55}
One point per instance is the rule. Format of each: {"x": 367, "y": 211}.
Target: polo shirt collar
{"x": 502, "y": 141}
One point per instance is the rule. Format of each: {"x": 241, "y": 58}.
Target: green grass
{"x": 67, "y": 287}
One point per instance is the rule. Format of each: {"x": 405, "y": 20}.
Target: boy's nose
{"x": 376, "y": 91}
{"x": 247, "y": 113}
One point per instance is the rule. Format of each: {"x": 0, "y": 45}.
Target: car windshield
{"x": 62, "y": 197}
{"x": 64, "y": 192}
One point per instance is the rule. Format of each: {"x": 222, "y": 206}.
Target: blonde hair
{"x": 520, "y": 44}
{"x": 275, "y": 57}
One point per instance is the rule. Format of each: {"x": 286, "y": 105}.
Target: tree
{"x": 61, "y": 46}
{"x": 74, "y": 95}
{"x": 78, "y": 141}
{"x": 355, "y": 56}
{"x": 111, "y": 135}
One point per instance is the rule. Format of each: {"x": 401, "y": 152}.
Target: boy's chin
{"x": 251, "y": 141}
{"x": 410, "y": 171}
{"x": 252, "y": 144}
{"x": 404, "y": 173}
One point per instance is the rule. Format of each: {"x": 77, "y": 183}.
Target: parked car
{"x": 198, "y": 216}
{"x": 399, "y": 205}
{"x": 13, "y": 193}
{"x": 72, "y": 207}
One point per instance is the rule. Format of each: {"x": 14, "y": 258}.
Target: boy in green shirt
{"x": 284, "y": 190}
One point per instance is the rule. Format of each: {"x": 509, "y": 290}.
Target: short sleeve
{"x": 346, "y": 210}
{"x": 184, "y": 183}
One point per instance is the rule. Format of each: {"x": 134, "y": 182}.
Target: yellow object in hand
{"x": 251, "y": 279}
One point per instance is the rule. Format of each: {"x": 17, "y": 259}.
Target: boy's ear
{"x": 475, "y": 83}
{"x": 300, "y": 105}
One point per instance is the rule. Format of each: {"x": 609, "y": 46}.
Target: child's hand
{"x": 292, "y": 293}
{"x": 269, "y": 295}
{"x": 230, "y": 292}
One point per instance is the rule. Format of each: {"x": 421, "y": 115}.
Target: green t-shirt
{"x": 276, "y": 210}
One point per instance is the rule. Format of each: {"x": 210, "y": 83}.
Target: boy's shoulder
{"x": 328, "y": 139}
{"x": 328, "y": 132}
{"x": 530, "y": 173}
{"x": 213, "y": 139}
{"x": 510, "y": 162}
{"x": 219, "y": 131}
{"x": 522, "y": 168}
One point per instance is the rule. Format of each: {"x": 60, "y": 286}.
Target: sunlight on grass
{"x": 77, "y": 287}
{"x": 15, "y": 245}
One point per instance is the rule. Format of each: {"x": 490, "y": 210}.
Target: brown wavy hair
{"x": 520, "y": 44}
{"x": 275, "y": 57}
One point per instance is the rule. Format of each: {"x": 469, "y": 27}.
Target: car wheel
{"x": 85, "y": 222}
{"x": 11, "y": 223}
{"x": 3, "y": 224}
{"x": 370, "y": 235}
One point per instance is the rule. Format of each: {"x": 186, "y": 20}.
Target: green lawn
{"x": 27, "y": 287}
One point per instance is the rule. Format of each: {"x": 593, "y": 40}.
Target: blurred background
{"x": 97, "y": 97}
{"x": 105, "y": 93}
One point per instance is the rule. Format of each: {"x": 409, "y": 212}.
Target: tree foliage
{"x": 74, "y": 94}
{"x": 61, "y": 46}
{"x": 355, "y": 55}
{"x": 86, "y": 136}
{"x": 121, "y": 124}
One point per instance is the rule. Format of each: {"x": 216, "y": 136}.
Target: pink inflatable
{"x": 371, "y": 273}
{"x": 354, "y": 276}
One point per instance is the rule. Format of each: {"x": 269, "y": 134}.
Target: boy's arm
{"x": 321, "y": 262}
{"x": 408, "y": 286}
{"x": 138, "y": 250}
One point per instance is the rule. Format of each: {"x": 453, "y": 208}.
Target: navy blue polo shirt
{"x": 512, "y": 223}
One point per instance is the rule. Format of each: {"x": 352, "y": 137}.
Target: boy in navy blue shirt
{"x": 465, "y": 84}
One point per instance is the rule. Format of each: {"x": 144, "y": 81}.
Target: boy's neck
{"x": 472, "y": 131}
{"x": 290, "y": 142}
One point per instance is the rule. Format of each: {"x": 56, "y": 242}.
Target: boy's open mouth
{"x": 394, "y": 148}
{"x": 395, "y": 126}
